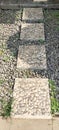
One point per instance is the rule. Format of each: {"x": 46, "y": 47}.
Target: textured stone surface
{"x": 32, "y": 14}
{"x": 32, "y": 57}
{"x": 31, "y": 97}
{"x": 32, "y": 32}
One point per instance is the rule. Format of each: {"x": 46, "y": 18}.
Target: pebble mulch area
{"x": 52, "y": 44}
{"x": 9, "y": 42}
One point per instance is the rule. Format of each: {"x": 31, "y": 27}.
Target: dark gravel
{"x": 52, "y": 46}
{"x": 52, "y": 43}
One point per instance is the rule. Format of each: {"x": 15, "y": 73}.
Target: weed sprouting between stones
{"x": 6, "y": 107}
{"x": 54, "y": 100}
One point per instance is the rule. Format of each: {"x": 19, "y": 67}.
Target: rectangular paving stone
{"x": 32, "y": 57}
{"x": 31, "y": 98}
{"x": 32, "y": 14}
{"x": 32, "y": 31}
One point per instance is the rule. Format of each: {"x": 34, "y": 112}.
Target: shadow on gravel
{"x": 15, "y": 1}
{"x": 13, "y": 44}
{"x": 52, "y": 44}
{"x": 9, "y": 16}
{"x": 28, "y": 1}
{"x": 53, "y": 1}
{"x": 52, "y": 54}
{"x": 22, "y": 1}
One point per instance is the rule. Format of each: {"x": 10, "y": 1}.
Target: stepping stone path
{"x": 31, "y": 95}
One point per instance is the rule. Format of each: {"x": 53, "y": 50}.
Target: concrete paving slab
{"x": 34, "y": 14}
{"x": 31, "y": 98}
{"x": 25, "y": 124}
{"x": 31, "y": 124}
{"x": 32, "y": 31}
{"x": 32, "y": 57}
{"x": 56, "y": 123}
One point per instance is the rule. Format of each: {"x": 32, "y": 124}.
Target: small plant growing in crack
{"x": 54, "y": 101}
{"x": 6, "y": 108}
{"x": 41, "y": 41}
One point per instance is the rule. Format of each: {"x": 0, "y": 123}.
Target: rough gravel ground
{"x": 52, "y": 44}
{"x": 9, "y": 50}
{"x": 9, "y": 35}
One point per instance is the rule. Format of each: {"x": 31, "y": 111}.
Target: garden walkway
{"x": 31, "y": 95}
{"x": 29, "y": 52}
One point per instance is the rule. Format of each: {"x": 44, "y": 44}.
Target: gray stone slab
{"x": 31, "y": 98}
{"x": 32, "y": 57}
{"x": 32, "y": 14}
{"x": 32, "y": 32}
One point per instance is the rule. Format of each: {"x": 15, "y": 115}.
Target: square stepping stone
{"x": 32, "y": 14}
{"x": 31, "y": 98}
{"x": 32, "y": 57}
{"x": 32, "y": 32}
